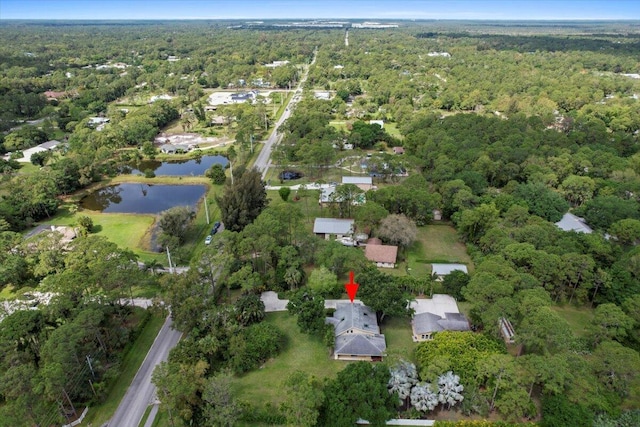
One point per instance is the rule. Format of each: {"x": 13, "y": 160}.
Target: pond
{"x": 186, "y": 167}
{"x": 142, "y": 198}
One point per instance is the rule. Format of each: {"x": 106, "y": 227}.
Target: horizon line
{"x": 325, "y": 19}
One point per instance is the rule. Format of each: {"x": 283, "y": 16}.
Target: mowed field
{"x": 436, "y": 243}
{"x": 301, "y": 352}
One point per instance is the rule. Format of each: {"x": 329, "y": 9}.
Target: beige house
{"x": 357, "y": 333}
{"x": 384, "y": 256}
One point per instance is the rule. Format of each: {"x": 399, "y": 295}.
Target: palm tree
{"x": 152, "y": 266}
{"x": 249, "y": 309}
{"x": 293, "y": 277}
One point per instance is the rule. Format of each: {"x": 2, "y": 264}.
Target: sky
{"x": 325, "y": 9}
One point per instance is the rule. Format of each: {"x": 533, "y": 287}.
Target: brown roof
{"x": 374, "y": 241}
{"x": 398, "y": 150}
{"x": 50, "y": 94}
{"x": 381, "y": 253}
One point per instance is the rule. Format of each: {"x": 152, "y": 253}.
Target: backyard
{"x": 437, "y": 243}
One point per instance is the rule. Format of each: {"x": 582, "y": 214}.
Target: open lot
{"x": 436, "y": 243}
{"x": 301, "y": 352}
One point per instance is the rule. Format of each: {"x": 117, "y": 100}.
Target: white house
{"x": 441, "y": 270}
{"x": 45, "y": 146}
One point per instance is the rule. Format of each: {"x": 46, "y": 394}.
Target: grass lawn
{"x": 577, "y": 317}
{"x": 436, "y": 243}
{"x": 301, "y": 352}
{"x": 98, "y": 415}
{"x": 7, "y": 292}
{"x": 397, "y": 332}
{"x": 128, "y": 231}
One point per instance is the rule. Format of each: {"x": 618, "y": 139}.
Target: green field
{"x": 437, "y": 243}
{"x": 128, "y": 231}
{"x": 301, "y": 352}
{"x": 578, "y": 318}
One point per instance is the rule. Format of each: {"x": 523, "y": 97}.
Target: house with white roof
{"x": 365, "y": 183}
{"x": 45, "y": 146}
{"x": 435, "y": 314}
{"x": 327, "y": 227}
{"x": 441, "y": 270}
{"x": 570, "y": 222}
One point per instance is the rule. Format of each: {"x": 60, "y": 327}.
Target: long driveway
{"x": 141, "y": 392}
{"x": 263, "y": 161}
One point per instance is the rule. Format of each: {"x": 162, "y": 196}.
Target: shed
{"x": 441, "y": 270}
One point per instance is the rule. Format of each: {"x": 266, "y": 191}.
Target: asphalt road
{"x": 141, "y": 392}
{"x": 263, "y": 161}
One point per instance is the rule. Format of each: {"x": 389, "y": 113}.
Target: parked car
{"x": 208, "y": 240}
{"x": 288, "y": 175}
{"x": 216, "y": 227}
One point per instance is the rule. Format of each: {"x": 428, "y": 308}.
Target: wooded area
{"x": 503, "y": 131}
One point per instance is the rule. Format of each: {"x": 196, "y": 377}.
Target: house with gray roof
{"x": 327, "y": 227}
{"x": 424, "y": 325}
{"x": 570, "y": 222}
{"x": 357, "y": 333}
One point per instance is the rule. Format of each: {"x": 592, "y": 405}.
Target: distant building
{"x": 365, "y": 183}
{"x": 160, "y": 97}
{"x": 45, "y": 146}
{"x": 239, "y": 98}
{"x": 275, "y": 64}
{"x": 444, "y": 54}
{"x": 322, "y": 95}
{"x": 374, "y": 25}
{"x": 570, "y": 222}
{"x": 398, "y": 150}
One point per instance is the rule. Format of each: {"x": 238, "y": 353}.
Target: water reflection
{"x": 142, "y": 198}
{"x": 187, "y": 167}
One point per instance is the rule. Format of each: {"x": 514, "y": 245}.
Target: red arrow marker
{"x": 351, "y": 287}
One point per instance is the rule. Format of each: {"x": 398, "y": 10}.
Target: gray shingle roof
{"x": 360, "y": 345}
{"x": 333, "y": 226}
{"x": 425, "y": 323}
{"x": 354, "y": 316}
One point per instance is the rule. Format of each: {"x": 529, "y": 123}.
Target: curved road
{"x": 141, "y": 393}
{"x": 263, "y": 161}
